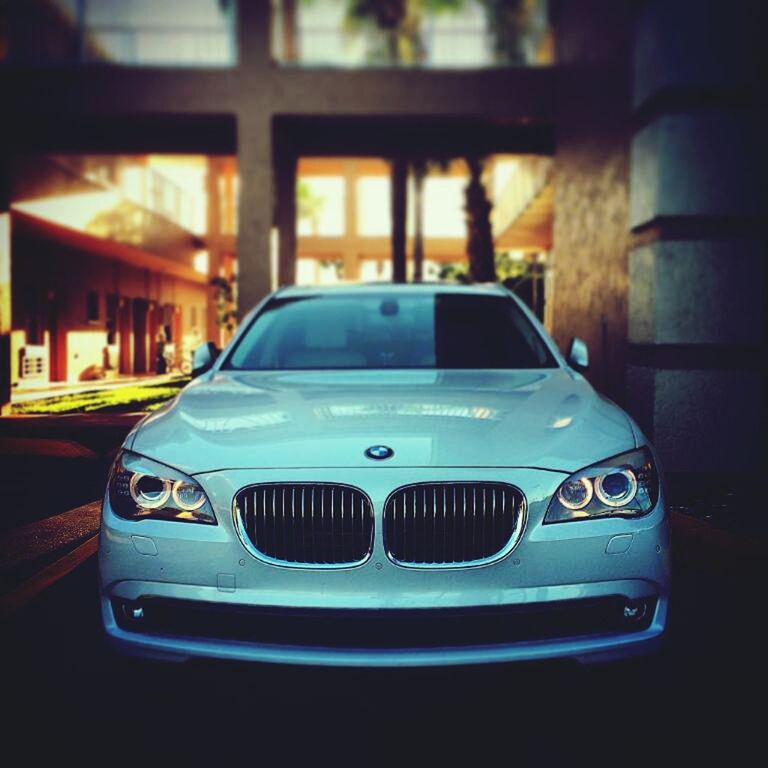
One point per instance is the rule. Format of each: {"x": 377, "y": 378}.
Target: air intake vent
{"x": 451, "y": 524}
{"x": 306, "y": 523}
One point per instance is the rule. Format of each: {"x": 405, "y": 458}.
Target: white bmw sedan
{"x": 386, "y": 475}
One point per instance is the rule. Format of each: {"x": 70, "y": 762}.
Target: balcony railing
{"x": 141, "y": 184}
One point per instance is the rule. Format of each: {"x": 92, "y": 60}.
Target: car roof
{"x": 377, "y": 289}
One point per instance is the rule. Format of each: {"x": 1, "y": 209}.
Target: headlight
{"x": 623, "y": 486}
{"x": 141, "y": 488}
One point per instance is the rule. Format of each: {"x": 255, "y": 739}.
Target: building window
{"x": 130, "y": 32}
{"x": 462, "y": 34}
{"x": 321, "y": 206}
{"x": 200, "y": 262}
{"x": 374, "y": 206}
{"x": 92, "y": 306}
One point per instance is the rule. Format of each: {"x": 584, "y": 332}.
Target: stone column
{"x": 255, "y": 270}
{"x": 399, "y": 216}
{"x": 419, "y": 173}
{"x": 285, "y": 211}
{"x": 351, "y": 254}
{"x": 5, "y": 283}
{"x": 256, "y": 273}
{"x": 213, "y": 234}
{"x": 697, "y": 257}
{"x": 587, "y": 288}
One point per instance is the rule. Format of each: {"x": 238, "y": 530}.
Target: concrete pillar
{"x": 213, "y": 232}
{"x": 212, "y": 330}
{"x": 289, "y": 31}
{"x": 399, "y": 208}
{"x": 255, "y": 270}
{"x": 285, "y": 213}
{"x": 697, "y": 257}
{"x": 351, "y": 254}
{"x": 587, "y": 281}
{"x": 5, "y": 311}
{"x": 256, "y": 274}
{"x": 419, "y": 172}
{"x": 5, "y": 284}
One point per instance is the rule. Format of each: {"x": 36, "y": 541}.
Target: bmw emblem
{"x": 379, "y": 452}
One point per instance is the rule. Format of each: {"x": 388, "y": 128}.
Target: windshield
{"x": 442, "y": 330}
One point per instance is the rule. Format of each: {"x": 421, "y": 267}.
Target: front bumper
{"x": 570, "y": 566}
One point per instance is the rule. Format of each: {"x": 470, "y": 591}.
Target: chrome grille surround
{"x": 305, "y": 525}
{"x": 435, "y": 516}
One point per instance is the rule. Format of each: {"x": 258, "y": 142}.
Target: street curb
{"x": 28, "y": 549}
{"x": 32, "y": 587}
{"x": 53, "y": 421}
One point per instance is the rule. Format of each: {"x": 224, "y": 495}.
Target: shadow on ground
{"x": 696, "y": 693}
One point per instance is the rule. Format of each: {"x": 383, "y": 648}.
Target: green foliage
{"x": 388, "y": 13}
{"x": 118, "y": 400}
{"x": 508, "y": 21}
{"x": 507, "y": 268}
{"x": 308, "y": 204}
{"x": 124, "y": 222}
{"x": 337, "y": 264}
{"x": 458, "y": 273}
{"x": 398, "y": 24}
{"x": 226, "y": 312}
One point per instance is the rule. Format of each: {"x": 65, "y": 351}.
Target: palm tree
{"x": 308, "y": 204}
{"x": 400, "y": 23}
{"x": 513, "y": 24}
{"x": 399, "y": 188}
{"x": 480, "y": 249}
{"x": 419, "y": 171}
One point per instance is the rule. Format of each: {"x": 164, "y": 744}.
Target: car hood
{"x": 550, "y": 419}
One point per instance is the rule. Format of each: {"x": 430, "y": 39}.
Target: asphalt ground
{"x": 27, "y": 549}
{"x": 51, "y": 464}
{"x": 703, "y": 693}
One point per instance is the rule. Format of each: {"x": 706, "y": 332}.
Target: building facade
{"x": 649, "y": 111}
{"x": 111, "y": 262}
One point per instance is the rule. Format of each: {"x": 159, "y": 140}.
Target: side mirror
{"x": 203, "y": 358}
{"x": 578, "y": 354}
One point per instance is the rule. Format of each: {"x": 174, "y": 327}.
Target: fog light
{"x": 635, "y": 610}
